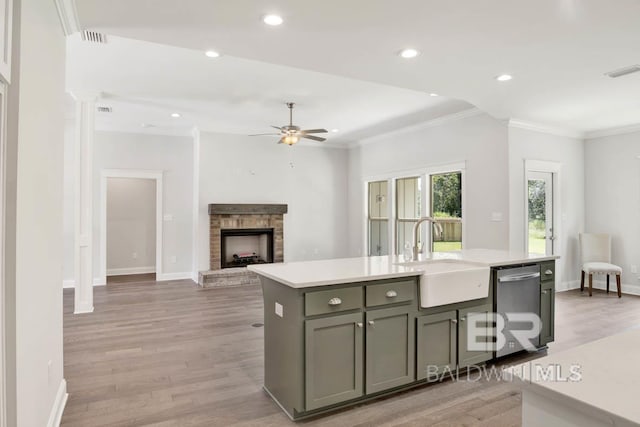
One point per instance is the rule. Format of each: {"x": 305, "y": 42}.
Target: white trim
{"x": 438, "y": 121}
{"x": 129, "y": 173}
{"x": 55, "y": 416}
{"x": 620, "y": 130}
{"x": 3, "y": 335}
{"x": 551, "y": 130}
{"x": 600, "y": 284}
{"x": 68, "y": 15}
{"x": 174, "y": 276}
{"x": 130, "y": 270}
{"x": 195, "y": 236}
{"x": 568, "y": 286}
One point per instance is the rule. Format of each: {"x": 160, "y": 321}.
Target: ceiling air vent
{"x": 94, "y": 36}
{"x": 103, "y": 109}
{"x": 623, "y": 71}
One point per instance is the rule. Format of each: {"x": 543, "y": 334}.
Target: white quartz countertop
{"x": 306, "y": 274}
{"x": 607, "y": 383}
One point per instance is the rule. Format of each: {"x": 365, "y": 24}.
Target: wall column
{"x": 83, "y": 201}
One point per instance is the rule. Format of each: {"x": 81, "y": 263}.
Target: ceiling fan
{"x": 290, "y": 134}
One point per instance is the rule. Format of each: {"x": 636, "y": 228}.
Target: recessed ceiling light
{"x": 409, "y": 53}
{"x": 335, "y": 130}
{"x": 175, "y": 115}
{"x": 433, "y": 94}
{"x": 504, "y": 77}
{"x": 212, "y": 54}
{"x": 273, "y": 20}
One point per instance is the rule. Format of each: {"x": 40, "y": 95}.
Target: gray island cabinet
{"x": 329, "y": 344}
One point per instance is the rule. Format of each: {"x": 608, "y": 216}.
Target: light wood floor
{"x": 170, "y": 354}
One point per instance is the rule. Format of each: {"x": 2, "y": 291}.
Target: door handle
{"x": 371, "y": 322}
{"x": 335, "y": 301}
{"x": 454, "y": 321}
{"x": 359, "y": 324}
{"x": 549, "y": 273}
{"x": 391, "y": 294}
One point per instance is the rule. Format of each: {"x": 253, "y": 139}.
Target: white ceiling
{"x": 145, "y": 82}
{"x": 557, "y": 50}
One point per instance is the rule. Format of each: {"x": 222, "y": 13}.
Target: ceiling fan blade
{"x": 313, "y": 131}
{"x": 261, "y": 134}
{"x": 314, "y": 138}
{"x": 276, "y": 127}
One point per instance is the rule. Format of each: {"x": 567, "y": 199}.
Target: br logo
{"x": 484, "y": 327}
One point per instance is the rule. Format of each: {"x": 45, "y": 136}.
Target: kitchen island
{"x": 589, "y": 385}
{"x": 339, "y": 332}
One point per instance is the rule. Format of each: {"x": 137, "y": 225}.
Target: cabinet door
{"x": 470, "y": 356}
{"x": 390, "y": 348}
{"x": 547, "y": 312}
{"x": 437, "y": 344}
{"x": 333, "y": 360}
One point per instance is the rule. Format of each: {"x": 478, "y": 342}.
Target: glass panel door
{"x": 540, "y": 213}
{"x": 446, "y": 207}
{"x": 408, "y": 211}
{"x": 378, "y": 218}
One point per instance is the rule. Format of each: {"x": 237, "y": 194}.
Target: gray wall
{"x": 612, "y": 199}
{"x": 312, "y": 180}
{"x": 131, "y": 226}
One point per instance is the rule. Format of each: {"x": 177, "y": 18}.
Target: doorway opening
{"x": 131, "y": 229}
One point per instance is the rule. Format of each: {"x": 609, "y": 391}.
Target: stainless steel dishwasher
{"x": 517, "y": 291}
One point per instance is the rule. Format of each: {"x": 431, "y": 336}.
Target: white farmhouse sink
{"x": 451, "y": 281}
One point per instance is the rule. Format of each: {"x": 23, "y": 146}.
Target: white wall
{"x": 173, "y": 156}
{"x": 311, "y": 180}
{"x": 612, "y": 199}
{"x": 34, "y": 216}
{"x": 131, "y": 226}
{"x": 569, "y": 152}
{"x": 479, "y": 140}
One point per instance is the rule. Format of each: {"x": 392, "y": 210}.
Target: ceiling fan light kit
{"x": 291, "y": 134}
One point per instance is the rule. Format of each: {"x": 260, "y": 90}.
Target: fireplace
{"x": 242, "y": 247}
{"x": 244, "y": 229}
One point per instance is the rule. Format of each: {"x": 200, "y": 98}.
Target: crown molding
{"x": 620, "y": 130}
{"x": 551, "y": 130}
{"x": 438, "y": 121}
{"x": 68, "y": 16}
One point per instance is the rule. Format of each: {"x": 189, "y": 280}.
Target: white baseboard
{"x": 601, "y": 285}
{"x": 130, "y": 270}
{"x": 71, "y": 283}
{"x": 174, "y": 276}
{"x": 55, "y": 416}
{"x": 567, "y": 286}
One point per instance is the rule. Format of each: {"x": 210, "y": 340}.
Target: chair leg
{"x": 607, "y": 282}
{"x": 582, "y": 282}
{"x": 619, "y": 286}
{"x": 590, "y": 284}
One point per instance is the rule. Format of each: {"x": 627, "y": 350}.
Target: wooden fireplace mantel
{"x": 246, "y": 209}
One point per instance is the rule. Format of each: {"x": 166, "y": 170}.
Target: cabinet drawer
{"x": 547, "y": 271}
{"x": 332, "y": 300}
{"x": 391, "y": 292}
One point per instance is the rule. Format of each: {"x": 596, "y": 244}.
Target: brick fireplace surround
{"x": 239, "y": 217}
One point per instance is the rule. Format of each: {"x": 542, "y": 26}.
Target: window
{"x": 395, "y": 204}
{"x": 446, "y": 206}
{"x": 408, "y": 210}
{"x": 378, "y": 218}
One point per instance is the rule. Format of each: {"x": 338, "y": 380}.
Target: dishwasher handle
{"x": 519, "y": 277}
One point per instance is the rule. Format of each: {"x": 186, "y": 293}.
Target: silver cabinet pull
{"x": 462, "y": 319}
{"x": 359, "y": 324}
{"x": 545, "y": 292}
{"x": 371, "y": 322}
{"x": 549, "y": 273}
{"x": 335, "y": 301}
{"x": 454, "y": 321}
{"x": 391, "y": 294}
